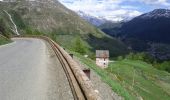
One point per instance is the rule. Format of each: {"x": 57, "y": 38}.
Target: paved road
{"x": 29, "y": 70}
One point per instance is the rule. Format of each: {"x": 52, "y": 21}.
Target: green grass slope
{"x": 4, "y": 32}
{"x": 132, "y": 79}
{"x": 141, "y": 79}
{"x": 3, "y": 40}
{"x": 107, "y": 77}
{"x": 92, "y": 43}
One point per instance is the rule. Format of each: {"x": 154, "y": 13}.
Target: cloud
{"x": 156, "y": 2}
{"x": 112, "y": 9}
{"x": 121, "y": 14}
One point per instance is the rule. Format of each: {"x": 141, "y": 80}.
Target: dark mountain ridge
{"x": 149, "y": 32}
{"x": 152, "y": 26}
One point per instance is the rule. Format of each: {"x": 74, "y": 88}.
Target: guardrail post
{"x": 87, "y": 72}
{"x": 71, "y": 55}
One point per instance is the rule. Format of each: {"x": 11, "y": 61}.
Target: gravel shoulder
{"x": 59, "y": 88}
{"x": 104, "y": 89}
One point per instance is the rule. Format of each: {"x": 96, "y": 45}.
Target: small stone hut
{"x": 102, "y": 58}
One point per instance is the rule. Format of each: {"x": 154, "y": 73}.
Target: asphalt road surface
{"x": 29, "y": 70}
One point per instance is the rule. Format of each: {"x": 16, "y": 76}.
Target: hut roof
{"x": 102, "y": 53}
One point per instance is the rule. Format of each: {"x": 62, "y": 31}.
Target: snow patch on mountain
{"x": 95, "y": 20}
{"x": 157, "y": 13}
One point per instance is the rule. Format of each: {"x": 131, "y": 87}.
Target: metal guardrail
{"x": 81, "y": 86}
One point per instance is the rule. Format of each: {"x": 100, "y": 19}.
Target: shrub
{"x": 164, "y": 66}
{"x": 79, "y": 46}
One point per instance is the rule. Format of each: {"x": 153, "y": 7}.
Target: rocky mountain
{"x": 51, "y": 18}
{"x": 107, "y": 26}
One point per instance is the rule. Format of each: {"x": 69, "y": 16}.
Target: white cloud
{"x": 93, "y": 7}
{"x": 118, "y": 15}
{"x": 134, "y": 13}
{"x": 128, "y": 7}
{"x": 111, "y": 9}
{"x": 156, "y": 2}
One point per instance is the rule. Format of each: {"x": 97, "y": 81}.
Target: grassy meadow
{"x": 133, "y": 79}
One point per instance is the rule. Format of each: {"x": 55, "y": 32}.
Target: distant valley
{"x": 148, "y": 32}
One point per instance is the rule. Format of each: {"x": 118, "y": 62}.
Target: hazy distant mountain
{"x": 97, "y": 21}
{"x": 105, "y": 25}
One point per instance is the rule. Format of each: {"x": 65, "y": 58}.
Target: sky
{"x": 115, "y": 10}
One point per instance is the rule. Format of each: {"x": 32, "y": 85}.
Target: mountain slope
{"x": 149, "y": 32}
{"x": 46, "y": 15}
{"x": 51, "y": 18}
{"x": 111, "y": 28}
{"x": 152, "y": 26}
